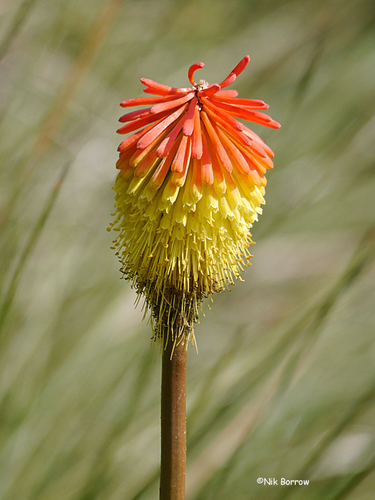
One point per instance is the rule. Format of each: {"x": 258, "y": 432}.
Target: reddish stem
{"x": 173, "y": 422}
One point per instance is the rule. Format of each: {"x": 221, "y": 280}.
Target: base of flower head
{"x": 183, "y": 242}
{"x": 173, "y": 314}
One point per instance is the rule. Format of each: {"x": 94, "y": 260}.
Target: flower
{"x": 190, "y": 185}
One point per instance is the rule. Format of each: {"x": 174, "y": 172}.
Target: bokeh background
{"x": 284, "y": 382}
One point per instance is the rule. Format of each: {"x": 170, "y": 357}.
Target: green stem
{"x": 173, "y": 421}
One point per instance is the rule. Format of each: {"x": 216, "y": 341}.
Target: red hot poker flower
{"x": 190, "y": 186}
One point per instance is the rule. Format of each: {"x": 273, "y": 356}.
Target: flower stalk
{"x": 173, "y": 420}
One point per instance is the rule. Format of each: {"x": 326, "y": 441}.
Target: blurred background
{"x": 284, "y": 382}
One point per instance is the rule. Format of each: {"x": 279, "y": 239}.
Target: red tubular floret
{"x": 134, "y": 138}
{"x": 223, "y": 122}
{"x": 125, "y": 156}
{"x": 140, "y": 101}
{"x": 160, "y": 89}
{"x": 172, "y": 104}
{"x": 135, "y": 115}
{"x": 215, "y": 109}
{"x": 235, "y": 72}
{"x": 246, "y": 103}
{"x": 241, "y": 65}
{"x": 210, "y": 90}
{"x": 192, "y": 70}
{"x": 189, "y": 122}
{"x": 246, "y": 114}
{"x": 197, "y": 147}
{"x": 146, "y": 164}
{"x": 233, "y": 151}
{"x": 178, "y": 161}
{"x": 206, "y": 165}
{"x": 162, "y": 169}
{"x": 130, "y": 127}
{"x": 167, "y": 143}
{"x": 226, "y": 93}
{"x": 228, "y": 81}
{"x": 257, "y": 139}
{"x": 154, "y": 132}
{"x": 214, "y": 139}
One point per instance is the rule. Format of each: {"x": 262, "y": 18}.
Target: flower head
{"x": 190, "y": 185}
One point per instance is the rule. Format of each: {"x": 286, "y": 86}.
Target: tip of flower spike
{"x": 192, "y": 70}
